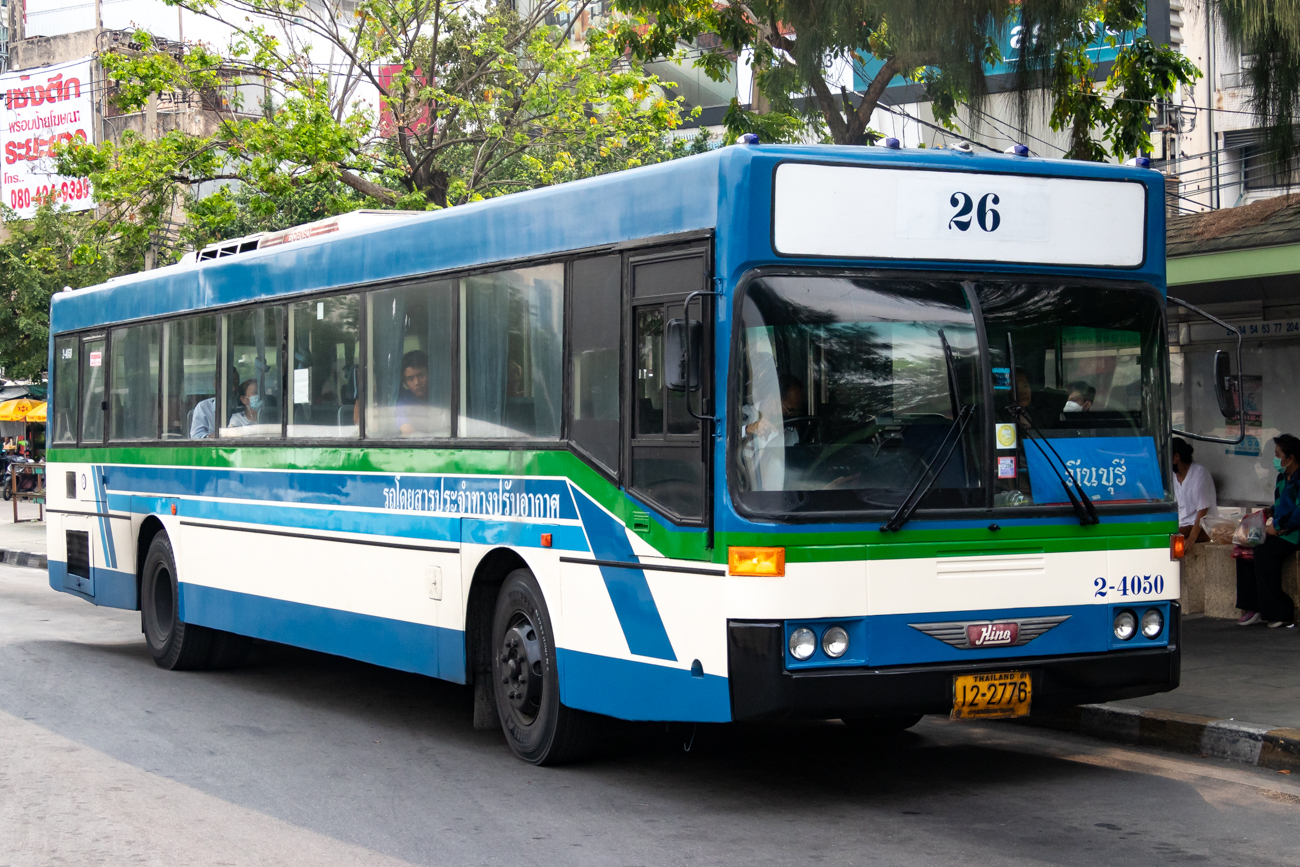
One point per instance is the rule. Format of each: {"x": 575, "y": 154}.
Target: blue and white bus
{"x": 820, "y": 432}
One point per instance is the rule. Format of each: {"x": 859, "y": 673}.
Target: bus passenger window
{"x": 409, "y": 375}
{"x": 596, "y": 303}
{"x": 64, "y": 417}
{"x": 323, "y": 386}
{"x": 251, "y": 390}
{"x": 191, "y": 378}
{"x": 92, "y": 390}
{"x": 133, "y": 396}
{"x": 512, "y": 353}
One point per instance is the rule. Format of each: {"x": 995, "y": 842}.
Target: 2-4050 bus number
{"x": 1131, "y": 585}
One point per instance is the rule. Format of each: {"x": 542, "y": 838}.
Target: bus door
{"x": 668, "y": 445}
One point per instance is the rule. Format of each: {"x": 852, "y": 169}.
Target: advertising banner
{"x": 42, "y": 107}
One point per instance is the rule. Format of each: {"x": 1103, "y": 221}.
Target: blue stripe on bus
{"x": 633, "y": 690}
{"x": 405, "y": 646}
{"x": 416, "y": 493}
{"x": 105, "y": 528}
{"x": 730, "y": 522}
{"x": 110, "y": 588}
{"x": 628, "y": 588}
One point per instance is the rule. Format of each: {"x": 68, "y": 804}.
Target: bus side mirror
{"x": 677, "y": 352}
{"x": 1223, "y": 391}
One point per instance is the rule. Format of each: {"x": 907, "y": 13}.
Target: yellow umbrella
{"x": 15, "y": 410}
{"x": 36, "y": 415}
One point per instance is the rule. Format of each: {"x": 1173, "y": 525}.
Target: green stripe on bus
{"x": 802, "y": 547}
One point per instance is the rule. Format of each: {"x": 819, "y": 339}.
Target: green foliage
{"x": 945, "y": 47}
{"x": 38, "y": 258}
{"x": 512, "y": 102}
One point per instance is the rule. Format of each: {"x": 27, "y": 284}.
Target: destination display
{"x": 864, "y": 212}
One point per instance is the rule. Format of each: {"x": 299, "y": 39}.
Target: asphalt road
{"x": 302, "y": 758}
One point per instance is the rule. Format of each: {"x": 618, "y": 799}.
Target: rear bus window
{"x": 63, "y": 419}
{"x": 92, "y": 390}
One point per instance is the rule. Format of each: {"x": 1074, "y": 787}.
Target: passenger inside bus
{"x": 414, "y": 393}
{"x": 250, "y": 403}
{"x": 1081, "y": 397}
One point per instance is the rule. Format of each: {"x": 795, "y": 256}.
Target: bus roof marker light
{"x": 748, "y": 138}
{"x": 756, "y": 562}
{"x": 1139, "y": 162}
{"x": 1018, "y": 150}
{"x": 892, "y": 143}
{"x": 962, "y": 147}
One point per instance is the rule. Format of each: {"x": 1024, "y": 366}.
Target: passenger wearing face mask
{"x": 1081, "y": 397}
{"x": 1259, "y": 581}
{"x": 251, "y": 402}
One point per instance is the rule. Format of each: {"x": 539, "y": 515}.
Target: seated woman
{"x": 413, "y": 398}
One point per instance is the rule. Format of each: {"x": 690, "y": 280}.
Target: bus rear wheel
{"x": 526, "y": 679}
{"x": 174, "y": 644}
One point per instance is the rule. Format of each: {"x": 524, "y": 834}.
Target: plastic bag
{"x": 1219, "y": 530}
{"x": 1251, "y": 531}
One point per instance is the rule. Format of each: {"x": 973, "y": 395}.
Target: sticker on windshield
{"x": 1002, "y": 378}
{"x": 1006, "y": 436}
{"x": 1006, "y": 467}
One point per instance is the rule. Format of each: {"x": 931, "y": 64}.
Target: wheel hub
{"x": 520, "y": 667}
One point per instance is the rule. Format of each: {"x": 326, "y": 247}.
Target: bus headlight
{"x": 802, "y": 643}
{"x": 835, "y": 642}
{"x": 1153, "y": 623}
{"x": 1125, "y": 625}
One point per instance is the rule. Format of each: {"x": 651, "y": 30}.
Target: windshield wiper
{"x": 1082, "y": 504}
{"x": 961, "y": 416}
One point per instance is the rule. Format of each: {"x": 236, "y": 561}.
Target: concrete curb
{"x": 1250, "y": 743}
{"x": 23, "y": 558}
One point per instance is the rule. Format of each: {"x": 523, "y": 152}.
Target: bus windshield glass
{"x": 1088, "y": 379}
{"x": 846, "y": 394}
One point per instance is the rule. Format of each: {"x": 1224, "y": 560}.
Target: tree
{"x": 1268, "y": 31}
{"x": 39, "y": 258}
{"x": 945, "y": 47}
{"x": 478, "y": 100}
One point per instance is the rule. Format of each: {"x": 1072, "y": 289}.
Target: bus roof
{"x": 680, "y": 196}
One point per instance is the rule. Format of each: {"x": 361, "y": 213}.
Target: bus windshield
{"x": 846, "y": 393}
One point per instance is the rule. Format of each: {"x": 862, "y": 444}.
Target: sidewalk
{"x": 18, "y": 542}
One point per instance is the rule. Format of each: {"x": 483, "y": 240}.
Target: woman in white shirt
{"x": 1194, "y": 490}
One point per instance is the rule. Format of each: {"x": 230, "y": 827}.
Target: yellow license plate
{"x": 995, "y": 695}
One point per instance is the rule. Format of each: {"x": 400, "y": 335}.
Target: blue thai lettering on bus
{"x": 1109, "y": 476}
{"x": 474, "y": 497}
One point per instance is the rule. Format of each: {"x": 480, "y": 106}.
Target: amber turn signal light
{"x": 762, "y": 562}
{"x": 546, "y": 540}
{"x": 1177, "y": 546}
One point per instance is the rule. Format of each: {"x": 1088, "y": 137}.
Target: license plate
{"x": 995, "y": 695}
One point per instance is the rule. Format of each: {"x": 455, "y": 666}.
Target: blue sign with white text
{"x": 1107, "y": 468}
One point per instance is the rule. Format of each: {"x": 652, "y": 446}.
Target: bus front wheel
{"x": 526, "y": 681}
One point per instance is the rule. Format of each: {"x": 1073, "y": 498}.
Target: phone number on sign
{"x": 1137, "y": 585}
{"x": 68, "y": 191}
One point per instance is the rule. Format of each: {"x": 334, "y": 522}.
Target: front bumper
{"x": 762, "y": 688}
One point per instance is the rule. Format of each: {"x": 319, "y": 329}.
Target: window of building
{"x": 191, "y": 377}
{"x": 133, "y": 398}
{"x": 92, "y": 390}
{"x": 63, "y": 420}
{"x": 512, "y": 358}
{"x": 412, "y": 353}
{"x": 251, "y": 390}
{"x": 1261, "y": 170}
{"x": 324, "y": 337}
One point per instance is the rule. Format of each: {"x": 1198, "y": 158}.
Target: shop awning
{"x": 36, "y": 415}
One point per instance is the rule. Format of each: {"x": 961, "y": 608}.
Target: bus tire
{"x": 526, "y": 677}
{"x": 882, "y": 725}
{"x": 173, "y": 644}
